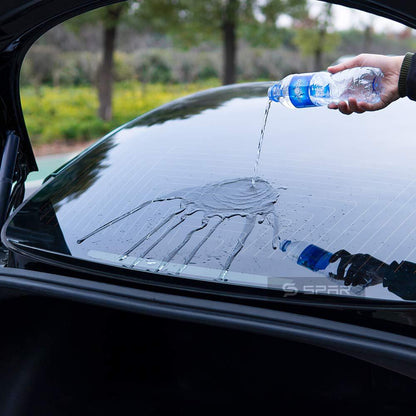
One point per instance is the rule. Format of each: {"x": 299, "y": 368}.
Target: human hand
{"x": 390, "y": 65}
{"x": 358, "y": 269}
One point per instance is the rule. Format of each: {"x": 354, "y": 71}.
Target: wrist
{"x": 404, "y": 71}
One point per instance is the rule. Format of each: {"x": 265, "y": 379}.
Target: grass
{"x": 70, "y": 113}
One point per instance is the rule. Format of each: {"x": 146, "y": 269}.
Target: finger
{"x": 343, "y": 107}
{"x": 343, "y": 267}
{"x": 339, "y": 254}
{"x": 353, "y": 276}
{"x": 366, "y": 106}
{"x": 333, "y": 106}
{"x": 371, "y": 107}
{"x": 354, "y": 107}
{"x": 349, "y": 277}
{"x": 336, "y": 68}
{"x": 356, "y": 276}
{"x": 355, "y": 273}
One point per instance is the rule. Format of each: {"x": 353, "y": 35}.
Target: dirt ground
{"x": 60, "y": 147}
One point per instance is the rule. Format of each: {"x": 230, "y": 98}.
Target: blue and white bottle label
{"x": 314, "y": 258}
{"x": 299, "y": 91}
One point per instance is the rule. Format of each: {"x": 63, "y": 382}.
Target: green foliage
{"x": 123, "y": 67}
{"x": 70, "y": 113}
{"x": 266, "y": 35}
{"x": 308, "y": 40}
{"x": 187, "y": 22}
{"x": 44, "y": 59}
{"x": 153, "y": 67}
{"x": 191, "y": 22}
{"x": 353, "y": 41}
{"x": 314, "y": 36}
{"x": 270, "y": 64}
{"x": 108, "y": 16}
{"x": 45, "y": 65}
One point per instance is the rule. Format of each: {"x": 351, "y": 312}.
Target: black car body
{"x": 83, "y": 334}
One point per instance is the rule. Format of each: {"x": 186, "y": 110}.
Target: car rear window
{"x": 163, "y": 193}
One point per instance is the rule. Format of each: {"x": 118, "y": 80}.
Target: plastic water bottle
{"x": 310, "y": 256}
{"x": 322, "y": 88}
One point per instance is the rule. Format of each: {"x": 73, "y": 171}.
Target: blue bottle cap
{"x": 284, "y": 244}
{"x": 275, "y": 92}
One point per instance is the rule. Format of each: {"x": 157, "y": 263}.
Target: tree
{"x": 109, "y": 18}
{"x": 191, "y": 22}
{"x": 313, "y": 36}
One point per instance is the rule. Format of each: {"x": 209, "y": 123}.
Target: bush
{"x": 267, "y": 64}
{"x": 43, "y": 61}
{"x": 123, "y": 67}
{"x": 152, "y": 67}
{"x": 46, "y": 65}
{"x": 77, "y": 68}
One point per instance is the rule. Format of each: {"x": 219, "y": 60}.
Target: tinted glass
{"x": 164, "y": 192}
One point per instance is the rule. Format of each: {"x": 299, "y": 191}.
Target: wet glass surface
{"x": 349, "y": 183}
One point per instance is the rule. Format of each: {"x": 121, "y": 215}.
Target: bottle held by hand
{"x": 322, "y": 88}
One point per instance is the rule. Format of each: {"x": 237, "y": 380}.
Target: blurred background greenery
{"x": 102, "y": 69}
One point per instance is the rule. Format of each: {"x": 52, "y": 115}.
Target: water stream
{"x": 260, "y": 144}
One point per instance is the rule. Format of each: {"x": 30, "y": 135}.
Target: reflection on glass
{"x": 217, "y": 203}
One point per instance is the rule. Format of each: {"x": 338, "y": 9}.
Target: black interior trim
{"x": 391, "y": 351}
